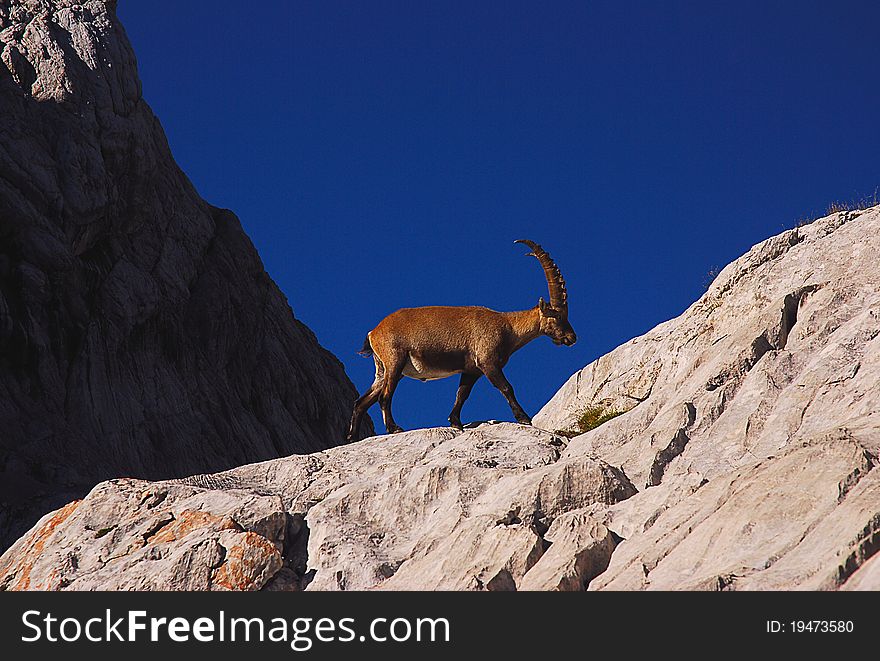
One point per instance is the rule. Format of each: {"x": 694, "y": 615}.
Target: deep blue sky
{"x": 386, "y": 154}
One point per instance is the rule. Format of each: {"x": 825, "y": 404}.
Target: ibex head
{"x": 554, "y": 316}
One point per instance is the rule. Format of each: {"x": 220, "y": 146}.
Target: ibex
{"x": 435, "y": 342}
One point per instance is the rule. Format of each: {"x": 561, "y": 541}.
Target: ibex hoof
{"x": 524, "y": 421}
{"x": 456, "y": 424}
{"x": 394, "y": 429}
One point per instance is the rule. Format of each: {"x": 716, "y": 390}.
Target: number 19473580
{"x": 810, "y": 626}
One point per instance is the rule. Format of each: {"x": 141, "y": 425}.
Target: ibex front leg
{"x": 496, "y": 378}
{"x": 464, "y": 390}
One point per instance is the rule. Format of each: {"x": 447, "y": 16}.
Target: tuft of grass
{"x": 592, "y": 417}
{"x": 839, "y": 206}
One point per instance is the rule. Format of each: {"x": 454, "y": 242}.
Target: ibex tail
{"x": 366, "y": 350}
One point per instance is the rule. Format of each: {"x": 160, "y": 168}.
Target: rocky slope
{"x": 753, "y": 421}
{"x": 139, "y": 332}
{"x": 745, "y": 460}
{"x": 434, "y": 509}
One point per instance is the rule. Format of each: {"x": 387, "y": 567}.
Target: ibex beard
{"x": 434, "y": 342}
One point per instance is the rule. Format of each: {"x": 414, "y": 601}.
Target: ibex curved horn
{"x": 555, "y": 281}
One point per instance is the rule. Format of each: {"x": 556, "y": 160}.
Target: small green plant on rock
{"x": 592, "y": 417}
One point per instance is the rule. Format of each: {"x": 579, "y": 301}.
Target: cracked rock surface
{"x": 428, "y": 509}
{"x": 139, "y": 333}
{"x": 753, "y": 422}
{"x": 745, "y": 461}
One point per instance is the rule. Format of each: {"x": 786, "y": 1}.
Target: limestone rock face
{"x": 753, "y": 422}
{"x": 139, "y": 333}
{"x": 429, "y": 509}
{"x": 745, "y": 461}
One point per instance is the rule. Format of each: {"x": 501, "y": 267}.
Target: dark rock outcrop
{"x": 139, "y": 332}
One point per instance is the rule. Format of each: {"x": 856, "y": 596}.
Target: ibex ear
{"x": 546, "y": 310}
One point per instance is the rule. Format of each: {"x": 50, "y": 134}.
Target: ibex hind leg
{"x": 393, "y": 373}
{"x": 365, "y": 401}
